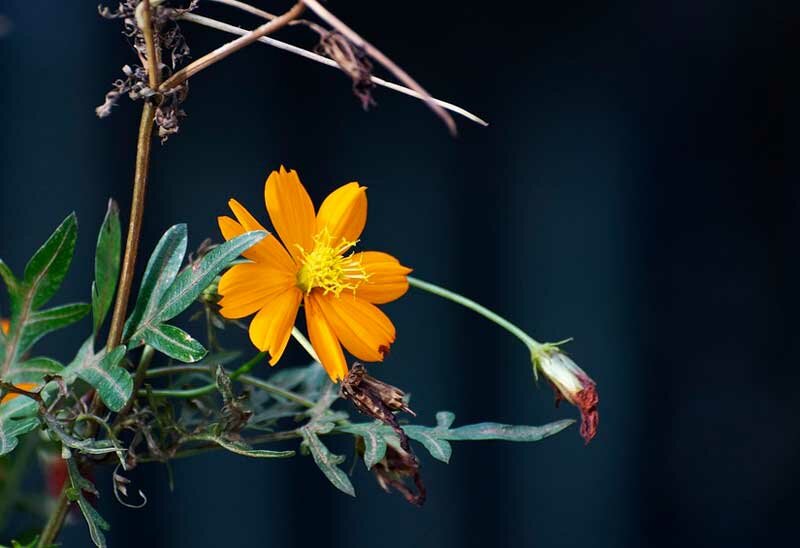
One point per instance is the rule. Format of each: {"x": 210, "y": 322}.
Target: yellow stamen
{"x": 326, "y": 267}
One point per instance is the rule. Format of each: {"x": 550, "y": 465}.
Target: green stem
{"x": 529, "y": 341}
{"x": 55, "y": 522}
{"x": 239, "y": 374}
{"x": 22, "y": 458}
{"x": 299, "y": 337}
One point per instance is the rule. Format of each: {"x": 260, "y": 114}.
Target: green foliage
{"x": 102, "y": 371}
{"x": 162, "y": 268}
{"x": 43, "y": 276}
{"x": 174, "y": 342}
{"x": 77, "y": 485}
{"x": 33, "y": 370}
{"x": 106, "y": 265}
{"x": 165, "y": 292}
{"x": 16, "y": 420}
{"x": 325, "y": 460}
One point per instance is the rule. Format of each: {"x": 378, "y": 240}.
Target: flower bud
{"x": 570, "y": 383}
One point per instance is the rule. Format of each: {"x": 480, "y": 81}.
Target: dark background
{"x": 630, "y": 192}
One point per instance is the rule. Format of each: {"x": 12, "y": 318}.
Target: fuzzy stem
{"x": 529, "y": 341}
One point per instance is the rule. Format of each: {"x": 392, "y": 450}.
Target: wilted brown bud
{"x": 393, "y": 471}
{"x": 376, "y": 399}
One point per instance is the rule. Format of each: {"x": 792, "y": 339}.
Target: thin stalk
{"x": 380, "y": 57}
{"x": 529, "y": 341}
{"x": 231, "y": 47}
{"x": 305, "y": 343}
{"x": 141, "y": 373}
{"x": 225, "y": 27}
{"x": 56, "y": 521}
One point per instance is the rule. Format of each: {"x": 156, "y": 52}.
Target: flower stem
{"x": 239, "y": 374}
{"x": 53, "y": 527}
{"x": 305, "y": 343}
{"x": 529, "y": 341}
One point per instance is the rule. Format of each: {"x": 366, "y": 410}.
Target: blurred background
{"x": 630, "y": 192}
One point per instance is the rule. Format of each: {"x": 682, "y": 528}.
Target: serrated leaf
{"x": 174, "y": 342}
{"x": 93, "y": 519}
{"x": 507, "y": 432}
{"x": 33, "y": 370}
{"x": 327, "y": 461}
{"x": 43, "y": 322}
{"x": 11, "y": 429}
{"x": 193, "y": 280}
{"x": 374, "y": 438}
{"x": 17, "y": 417}
{"x": 106, "y": 264}
{"x": 439, "y": 448}
{"x": 162, "y": 268}
{"x": 102, "y": 371}
{"x": 48, "y": 266}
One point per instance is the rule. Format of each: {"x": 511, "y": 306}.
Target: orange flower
{"x": 23, "y": 386}
{"x": 338, "y": 290}
{"x": 5, "y": 325}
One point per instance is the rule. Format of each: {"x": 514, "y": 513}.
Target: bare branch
{"x": 224, "y": 27}
{"x": 376, "y": 54}
{"x": 232, "y": 47}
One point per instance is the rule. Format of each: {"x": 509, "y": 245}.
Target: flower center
{"x": 326, "y": 266}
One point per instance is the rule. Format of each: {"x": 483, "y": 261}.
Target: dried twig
{"x": 225, "y": 27}
{"x": 379, "y": 56}
{"x": 231, "y": 47}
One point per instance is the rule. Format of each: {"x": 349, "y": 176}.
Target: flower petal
{"x": 386, "y": 277}
{"x": 246, "y": 288}
{"x": 344, "y": 213}
{"x": 272, "y": 326}
{"x": 365, "y": 331}
{"x": 269, "y": 250}
{"x": 324, "y": 340}
{"x": 291, "y": 211}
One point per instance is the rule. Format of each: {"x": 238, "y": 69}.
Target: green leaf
{"x": 439, "y": 448}
{"x": 374, "y": 436}
{"x": 174, "y": 342}
{"x": 193, "y": 280}
{"x": 162, "y": 268}
{"x": 327, "y": 461}
{"x": 241, "y": 448}
{"x": 93, "y": 519}
{"x": 33, "y": 370}
{"x": 17, "y": 417}
{"x": 507, "y": 432}
{"x": 48, "y": 266}
{"x": 102, "y": 371}
{"x": 43, "y": 322}
{"x": 106, "y": 264}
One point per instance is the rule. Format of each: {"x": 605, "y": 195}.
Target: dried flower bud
{"x": 376, "y": 399}
{"x": 353, "y": 61}
{"x": 570, "y": 383}
{"x": 393, "y": 471}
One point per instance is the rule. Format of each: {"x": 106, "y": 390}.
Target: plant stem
{"x": 141, "y": 373}
{"x": 224, "y": 27}
{"x": 135, "y": 225}
{"x": 380, "y": 57}
{"x": 529, "y": 341}
{"x": 231, "y": 47}
{"x": 305, "y": 343}
{"x": 56, "y": 521}
{"x": 53, "y": 527}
